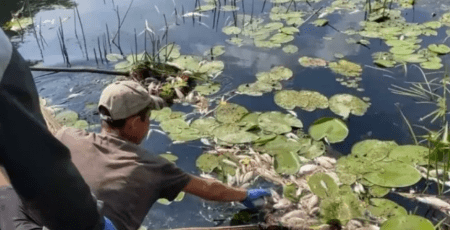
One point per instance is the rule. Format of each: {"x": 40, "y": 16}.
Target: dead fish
{"x": 434, "y": 201}
{"x": 207, "y": 176}
{"x": 245, "y": 185}
{"x": 311, "y": 202}
{"x": 296, "y": 222}
{"x": 247, "y": 177}
{"x": 157, "y": 10}
{"x": 314, "y": 211}
{"x": 230, "y": 180}
{"x": 237, "y": 176}
{"x": 353, "y": 224}
{"x": 293, "y": 113}
{"x": 296, "y": 213}
{"x": 73, "y": 95}
{"x": 323, "y": 162}
{"x": 194, "y": 14}
{"x": 282, "y": 204}
{"x": 230, "y": 163}
{"x": 358, "y": 188}
{"x": 308, "y": 168}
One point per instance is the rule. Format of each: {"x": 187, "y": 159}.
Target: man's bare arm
{"x": 214, "y": 190}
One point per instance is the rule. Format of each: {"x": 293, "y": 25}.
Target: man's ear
{"x": 134, "y": 122}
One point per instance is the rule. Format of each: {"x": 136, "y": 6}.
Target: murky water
{"x": 76, "y": 91}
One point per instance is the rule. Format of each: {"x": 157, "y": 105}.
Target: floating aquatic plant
{"x": 331, "y": 129}
{"x": 320, "y": 22}
{"x": 344, "y": 104}
{"x": 228, "y": 30}
{"x": 229, "y": 112}
{"x": 287, "y": 163}
{"x": 290, "y": 49}
{"x": 207, "y": 162}
{"x": 346, "y": 68}
{"x": 439, "y": 48}
{"x": 278, "y": 122}
{"x": 407, "y": 222}
{"x": 215, "y": 51}
{"x": 393, "y": 174}
{"x": 311, "y": 62}
{"x": 207, "y": 88}
{"x": 233, "y": 133}
{"x": 385, "y": 208}
{"x": 323, "y": 185}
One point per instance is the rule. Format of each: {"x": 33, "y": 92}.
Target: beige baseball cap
{"x": 123, "y": 99}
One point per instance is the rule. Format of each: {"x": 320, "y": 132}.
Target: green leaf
{"x": 179, "y": 197}
{"x": 342, "y": 208}
{"x": 431, "y": 65}
{"x": 67, "y": 117}
{"x": 393, "y": 174}
{"x": 412, "y": 154}
{"x": 378, "y": 191}
{"x": 407, "y": 222}
{"x": 346, "y": 68}
{"x": 373, "y": 150}
{"x": 211, "y": 67}
{"x": 278, "y": 122}
{"x": 207, "y": 162}
{"x": 385, "y": 208}
{"x": 281, "y": 38}
{"x": 114, "y": 57}
{"x": 320, "y": 22}
{"x": 323, "y": 185}
{"x": 287, "y": 163}
{"x": 289, "y": 192}
{"x": 81, "y": 124}
{"x": 311, "y": 100}
{"x": 215, "y": 51}
{"x": 229, "y": 112}
{"x": 208, "y": 88}
{"x": 385, "y": 63}
{"x": 440, "y": 49}
{"x": 170, "y": 157}
{"x": 286, "y": 99}
{"x": 290, "y": 49}
{"x": 311, "y": 62}
{"x": 228, "y": 30}
{"x": 344, "y": 104}
{"x": 334, "y": 130}
{"x": 205, "y": 125}
{"x": 233, "y": 133}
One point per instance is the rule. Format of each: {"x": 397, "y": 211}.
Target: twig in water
{"x": 407, "y": 123}
{"x": 120, "y": 23}
{"x": 109, "y": 41}
{"x": 373, "y": 67}
{"x": 61, "y": 31}
{"x": 95, "y": 55}
{"x": 79, "y": 70}
{"x": 34, "y": 29}
{"x": 317, "y": 11}
{"x": 264, "y": 5}
{"x": 82, "y": 32}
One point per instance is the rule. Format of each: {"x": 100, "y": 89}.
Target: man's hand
{"x": 253, "y": 195}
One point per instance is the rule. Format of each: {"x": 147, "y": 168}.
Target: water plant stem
{"x": 82, "y": 32}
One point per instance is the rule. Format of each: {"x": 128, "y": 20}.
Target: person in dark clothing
{"x": 38, "y": 166}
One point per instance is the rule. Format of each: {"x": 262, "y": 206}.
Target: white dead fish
{"x": 293, "y": 113}
{"x": 353, "y": 12}
{"x": 194, "y": 14}
{"x": 434, "y": 201}
{"x": 296, "y": 213}
{"x": 291, "y": 135}
{"x": 247, "y": 177}
{"x": 358, "y": 188}
{"x": 322, "y": 15}
{"x": 205, "y": 141}
{"x": 323, "y": 162}
{"x": 308, "y": 168}
{"x": 203, "y": 24}
{"x": 282, "y": 204}
{"x": 230, "y": 180}
{"x": 314, "y": 211}
{"x": 311, "y": 202}
{"x": 246, "y": 185}
{"x": 237, "y": 175}
{"x": 157, "y": 10}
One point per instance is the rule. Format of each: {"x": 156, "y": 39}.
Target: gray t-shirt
{"x": 126, "y": 177}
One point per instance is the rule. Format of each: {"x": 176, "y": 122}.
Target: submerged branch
{"x": 78, "y": 70}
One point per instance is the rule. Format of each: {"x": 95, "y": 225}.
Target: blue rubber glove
{"x": 254, "y": 194}
{"x": 108, "y": 224}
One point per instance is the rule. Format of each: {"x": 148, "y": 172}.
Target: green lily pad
{"x": 290, "y": 49}
{"x": 228, "y": 30}
{"x": 215, "y": 51}
{"x": 385, "y": 63}
{"x": 205, "y": 125}
{"x": 207, "y": 89}
{"x": 401, "y": 50}
{"x": 287, "y": 163}
{"x": 249, "y": 121}
{"x": 412, "y": 58}
{"x": 278, "y": 122}
{"x": 440, "y": 49}
{"x": 125, "y": 65}
{"x": 311, "y": 100}
{"x": 431, "y": 65}
{"x": 174, "y": 125}
{"x": 169, "y": 52}
{"x": 81, "y": 124}
{"x": 410, "y": 154}
{"x": 207, "y": 162}
{"x": 342, "y": 208}
{"x": 320, "y": 22}
{"x": 347, "y": 179}
{"x": 323, "y": 185}
{"x": 373, "y": 150}
{"x": 385, "y": 208}
{"x": 211, "y": 67}
{"x": 333, "y": 129}
{"x": 281, "y": 38}
{"x": 280, "y": 145}
{"x": 179, "y": 197}
{"x": 313, "y": 149}
{"x": 311, "y": 62}
{"x": 206, "y": 7}
{"x": 229, "y": 112}
{"x": 286, "y": 99}
{"x": 277, "y": 73}
{"x": 407, "y": 222}
{"x": 163, "y": 201}
{"x": 186, "y": 135}
{"x": 257, "y": 88}
{"x": 67, "y": 117}
{"x": 289, "y": 30}
{"x": 274, "y": 25}
{"x": 229, "y": 8}
{"x": 187, "y": 62}
{"x": 266, "y": 44}
{"x": 170, "y": 157}
{"x": 289, "y": 192}
{"x": 338, "y": 55}
{"x": 344, "y": 104}
{"x": 235, "y": 41}
{"x": 378, "y": 191}
{"x": 346, "y": 68}
{"x": 133, "y": 58}
{"x": 394, "y": 174}
{"x": 160, "y": 115}
{"x": 113, "y": 57}
{"x": 294, "y": 21}
{"x": 235, "y": 134}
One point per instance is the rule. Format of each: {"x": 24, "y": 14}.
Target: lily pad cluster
{"x": 70, "y": 118}
{"x": 266, "y": 81}
{"x": 305, "y": 99}
{"x": 382, "y": 163}
{"x": 346, "y": 104}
